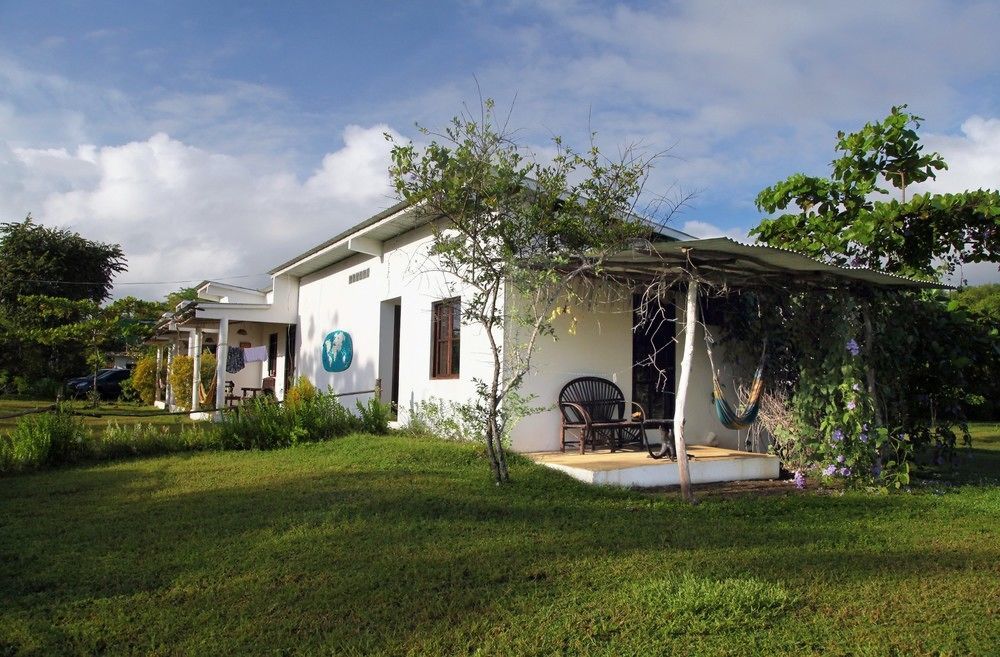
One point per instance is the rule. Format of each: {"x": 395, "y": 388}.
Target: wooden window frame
{"x": 449, "y": 306}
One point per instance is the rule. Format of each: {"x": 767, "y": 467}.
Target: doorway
{"x": 654, "y": 357}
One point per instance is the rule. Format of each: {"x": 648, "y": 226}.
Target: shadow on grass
{"x": 368, "y": 546}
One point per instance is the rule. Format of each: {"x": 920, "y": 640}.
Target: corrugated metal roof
{"x": 715, "y": 257}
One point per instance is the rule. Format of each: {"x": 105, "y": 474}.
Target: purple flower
{"x": 852, "y": 346}
{"x": 838, "y": 435}
{"x": 863, "y": 437}
{"x": 800, "y": 479}
{"x": 840, "y": 458}
{"x": 846, "y": 472}
{"x": 830, "y": 470}
{"x": 851, "y": 405}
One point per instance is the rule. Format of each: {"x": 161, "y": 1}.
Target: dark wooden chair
{"x": 593, "y": 408}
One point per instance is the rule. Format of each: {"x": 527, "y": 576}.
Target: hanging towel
{"x": 255, "y": 354}
{"x": 234, "y": 360}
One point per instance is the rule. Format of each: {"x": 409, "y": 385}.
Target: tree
{"x": 519, "y": 235}
{"x": 93, "y": 329}
{"x": 980, "y": 300}
{"x": 38, "y": 260}
{"x": 48, "y": 262}
{"x": 850, "y": 219}
{"x": 920, "y": 363}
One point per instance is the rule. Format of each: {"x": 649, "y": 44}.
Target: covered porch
{"x": 252, "y": 343}
{"x": 605, "y": 342}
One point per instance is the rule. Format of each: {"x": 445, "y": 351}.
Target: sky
{"x": 215, "y": 140}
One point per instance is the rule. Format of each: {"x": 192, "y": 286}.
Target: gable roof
{"x": 391, "y": 222}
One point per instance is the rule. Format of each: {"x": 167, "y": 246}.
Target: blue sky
{"x": 214, "y": 140}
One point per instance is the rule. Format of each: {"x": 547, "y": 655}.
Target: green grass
{"x": 123, "y": 413}
{"x": 395, "y": 545}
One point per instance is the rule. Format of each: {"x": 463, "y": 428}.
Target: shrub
{"x": 180, "y": 376}
{"x": 373, "y": 416}
{"x": 262, "y": 423}
{"x": 301, "y": 393}
{"x": 143, "y": 379}
{"x": 443, "y": 419}
{"x": 46, "y": 439}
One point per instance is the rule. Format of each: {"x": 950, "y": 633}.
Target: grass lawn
{"x": 106, "y": 413}
{"x": 396, "y": 545}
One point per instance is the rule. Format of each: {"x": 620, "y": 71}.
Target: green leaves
{"x": 851, "y": 219}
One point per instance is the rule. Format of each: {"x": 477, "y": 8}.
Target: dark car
{"x": 76, "y": 380}
{"x": 109, "y": 383}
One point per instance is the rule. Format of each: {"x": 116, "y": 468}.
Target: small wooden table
{"x": 253, "y": 391}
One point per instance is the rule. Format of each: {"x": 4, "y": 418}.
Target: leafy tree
{"x": 850, "y": 218}
{"x": 922, "y": 365}
{"x": 980, "y": 300}
{"x": 183, "y": 294}
{"x": 38, "y": 260}
{"x": 519, "y": 235}
{"x": 91, "y": 328}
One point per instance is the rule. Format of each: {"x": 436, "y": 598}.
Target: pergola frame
{"x": 727, "y": 264}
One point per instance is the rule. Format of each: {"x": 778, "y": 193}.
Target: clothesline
{"x": 238, "y": 357}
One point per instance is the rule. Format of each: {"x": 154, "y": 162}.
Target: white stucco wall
{"x": 327, "y": 301}
{"x": 601, "y": 346}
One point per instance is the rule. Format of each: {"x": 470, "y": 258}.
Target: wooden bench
{"x": 594, "y": 409}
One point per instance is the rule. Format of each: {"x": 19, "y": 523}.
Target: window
{"x": 446, "y": 322}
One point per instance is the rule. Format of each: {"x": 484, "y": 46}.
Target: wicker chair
{"x": 593, "y": 408}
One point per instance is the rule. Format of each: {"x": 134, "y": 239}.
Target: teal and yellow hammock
{"x": 746, "y": 414}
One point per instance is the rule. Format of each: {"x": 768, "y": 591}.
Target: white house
{"x": 368, "y": 310}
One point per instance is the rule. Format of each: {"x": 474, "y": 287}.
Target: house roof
{"x": 391, "y": 222}
{"x": 722, "y": 260}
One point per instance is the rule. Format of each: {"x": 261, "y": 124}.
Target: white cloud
{"x": 182, "y": 212}
{"x": 703, "y": 229}
{"x": 973, "y": 157}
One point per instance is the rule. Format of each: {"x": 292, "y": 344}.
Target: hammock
{"x": 205, "y": 395}
{"x": 746, "y": 415}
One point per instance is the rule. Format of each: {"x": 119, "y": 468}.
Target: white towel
{"x": 255, "y": 354}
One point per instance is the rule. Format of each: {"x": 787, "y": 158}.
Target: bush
{"x": 180, "y": 376}
{"x": 301, "y": 393}
{"x": 143, "y": 379}
{"x": 374, "y": 416}
{"x": 262, "y": 423}
{"x": 448, "y": 420}
{"x": 45, "y": 439}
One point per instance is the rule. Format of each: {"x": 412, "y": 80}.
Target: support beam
{"x": 690, "y": 326}
{"x": 365, "y": 245}
{"x": 221, "y": 355}
{"x": 171, "y": 351}
{"x": 158, "y": 396}
{"x": 196, "y": 371}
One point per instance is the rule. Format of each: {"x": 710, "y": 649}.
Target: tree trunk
{"x": 690, "y": 325}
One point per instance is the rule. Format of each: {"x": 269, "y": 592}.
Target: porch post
{"x": 196, "y": 370}
{"x": 690, "y": 326}
{"x": 171, "y": 348}
{"x": 159, "y": 368}
{"x": 221, "y": 355}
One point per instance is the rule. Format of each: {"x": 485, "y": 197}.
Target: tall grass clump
{"x": 308, "y": 416}
{"x": 124, "y": 440}
{"x": 44, "y": 439}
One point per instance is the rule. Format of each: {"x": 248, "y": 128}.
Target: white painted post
{"x": 196, "y": 371}
{"x": 170, "y": 366}
{"x": 221, "y": 354}
{"x": 690, "y": 319}
{"x": 159, "y": 367}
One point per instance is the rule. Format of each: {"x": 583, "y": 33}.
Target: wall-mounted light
{"x": 241, "y": 332}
